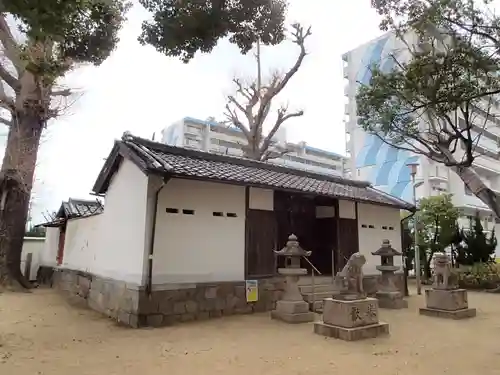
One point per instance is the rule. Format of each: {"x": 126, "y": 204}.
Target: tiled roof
{"x": 158, "y": 158}
{"x": 74, "y": 208}
{"x": 80, "y": 208}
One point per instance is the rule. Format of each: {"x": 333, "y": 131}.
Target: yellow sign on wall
{"x": 252, "y": 290}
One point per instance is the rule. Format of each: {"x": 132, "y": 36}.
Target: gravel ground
{"x": 40, "y": 333}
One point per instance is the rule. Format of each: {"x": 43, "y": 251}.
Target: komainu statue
{"x": 350, "y": 279}
{"x": 444, "y": 277}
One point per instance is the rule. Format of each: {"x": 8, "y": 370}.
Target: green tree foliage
{"x": 436, "y": 222}
{"x": 436, "y": 100}
{"x": 58, "y": 35}
{"x": 181, "y": 28}
{"x": 478, "y": 246}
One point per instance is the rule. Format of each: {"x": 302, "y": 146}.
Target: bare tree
{"x": 248, "y": 110}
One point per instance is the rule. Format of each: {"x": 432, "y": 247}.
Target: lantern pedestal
{"x": 292, "y": 308}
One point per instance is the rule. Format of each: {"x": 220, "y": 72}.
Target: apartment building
{"x": 387, "y": 167}
{"x": 211, "y": 136}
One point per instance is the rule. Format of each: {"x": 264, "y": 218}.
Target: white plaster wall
{"x": 119, "y": 251}
{"x": 81, "y": 243}
{"x": 200, "y": 247}
{"x": 49, "y": 252}
{"x": 261, "y": 199}
{"x": 35, "y": 246}
{"x": 378, "y": 221}
{"x": 347, "y": 209}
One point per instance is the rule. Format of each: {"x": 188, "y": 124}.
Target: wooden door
{"x": 60, "y": 246}
{"x": 349, "y": 242}
{"x": 324, "y": 237}
{"x": 260, "y": 243}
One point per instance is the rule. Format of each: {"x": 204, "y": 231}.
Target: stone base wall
{"x": 210, "y": 300}
{"x": 167, "y": 304}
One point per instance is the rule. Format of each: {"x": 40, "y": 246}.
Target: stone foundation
{"x": 391, "y": 300}
{"x": 351, "y": 334}
{"x": 351, "y": 320}
{"x": 451, "y": 304}
{"x": 167, "y": 304}
{"x": 457, "y": 314}
{"x": 292, "y": 312}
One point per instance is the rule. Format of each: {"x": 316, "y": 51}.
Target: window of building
{"x": 191, "y": 142}
{"x": 309, "y": 162}
{"x": 192, "y": 129}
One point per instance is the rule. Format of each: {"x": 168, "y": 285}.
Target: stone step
{"x": 307, "y": 280}
{"x": 317, "y": 296}
{"x": 318, "y": 288}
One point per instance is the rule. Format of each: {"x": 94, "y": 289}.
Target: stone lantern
{"x": 388, "y": 294}
{"x": 292, "y": 308}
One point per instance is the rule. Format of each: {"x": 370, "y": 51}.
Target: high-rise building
{"x": 386, "y": 167}
{"x": 210, "y": 136}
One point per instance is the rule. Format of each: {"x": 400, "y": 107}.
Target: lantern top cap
{"x": 293, "y": 248}
{"x": 413, "y": 167}
{"x": 386, "y": 250}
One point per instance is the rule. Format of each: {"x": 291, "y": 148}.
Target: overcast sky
{"x": 142, "y": 91}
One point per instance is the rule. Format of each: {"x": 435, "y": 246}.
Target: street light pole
{"x": 413, "y": 172}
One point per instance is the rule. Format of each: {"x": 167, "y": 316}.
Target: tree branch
{"x": 6, "y": 122}
{"x": 277, "y": 85}
{"x": 9, "y": 79}
{"x": 11, "y": 48}
{"x": 282, "y": 117}
{"x": 64, "y": 93}
{"x": 232, "y": 117}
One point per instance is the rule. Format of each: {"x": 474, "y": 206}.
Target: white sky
{"x": 142, "y": 91}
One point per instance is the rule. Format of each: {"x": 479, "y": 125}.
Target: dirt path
{"x": 42, "y": 334}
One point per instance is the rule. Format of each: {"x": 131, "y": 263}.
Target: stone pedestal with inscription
{"x": 388, "y": 295}
{"x": 445, "y": 299}
{"x": 351, "y": 320}
{"x": 292, "y": 308}
{"x": 350, "y": 315}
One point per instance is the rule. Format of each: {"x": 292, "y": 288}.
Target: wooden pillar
{"x": 357, "y": 224}
{"x": 247, "y": 232}
{"x": 336, "y": 252}
{"x": 27, "y": 266}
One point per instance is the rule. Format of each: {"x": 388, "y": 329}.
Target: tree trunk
{"x": 16, "y": 181}
{"x": 479, "y": 188}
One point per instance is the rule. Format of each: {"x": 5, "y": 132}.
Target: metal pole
{"x": 415, "y": 228}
